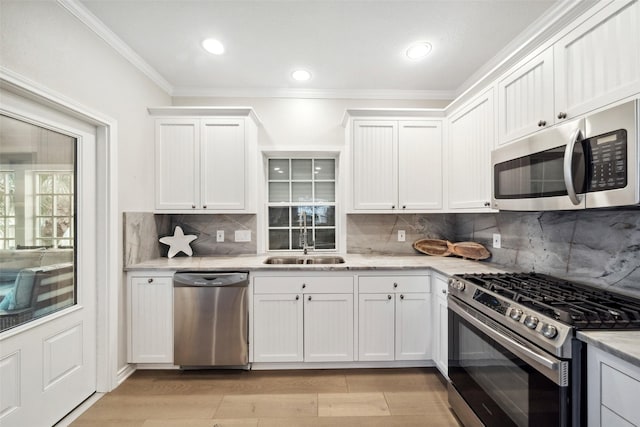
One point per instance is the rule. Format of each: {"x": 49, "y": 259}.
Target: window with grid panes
{"x": 54, "y": 208}
{"x": 301, "y": 192}
{"x": 7, "y": 210}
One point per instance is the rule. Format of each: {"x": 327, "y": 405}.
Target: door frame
{"x": 107, "y": 264}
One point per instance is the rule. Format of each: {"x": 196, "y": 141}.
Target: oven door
{"x": 502, "y": 379}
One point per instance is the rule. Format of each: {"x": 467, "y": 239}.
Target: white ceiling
{"x": 349, "y": 46}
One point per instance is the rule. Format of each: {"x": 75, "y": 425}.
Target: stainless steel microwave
{"x": 590, "y": 162}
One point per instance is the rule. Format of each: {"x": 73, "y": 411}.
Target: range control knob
{"x": 549, "y": 331}
{"x": 515, "y": 314}
{"x": 531, "y": 322}
{"x": 458, "y": 285}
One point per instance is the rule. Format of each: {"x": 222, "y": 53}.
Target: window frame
{"x": 292, "y": 227}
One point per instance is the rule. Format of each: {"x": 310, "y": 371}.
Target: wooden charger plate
{"x": 440, "y": 247}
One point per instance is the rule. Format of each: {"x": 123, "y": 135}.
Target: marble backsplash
{"x": 598, "y": 247}
{"x": 378, "y": 234}
{"x": 143, "y": 229}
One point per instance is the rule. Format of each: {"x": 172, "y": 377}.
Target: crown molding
{"x": 83, "y": 14}
{"x": 189, "y": 111}
{"x": 315, "y": 93}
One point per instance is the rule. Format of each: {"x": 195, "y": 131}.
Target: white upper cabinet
{"x": 471, "y": 139}
{"x": 396, "y": 165}
{"x": 205, "y": 163}
{"x": 598, "y": 62}
{"x": 525, "y": 98}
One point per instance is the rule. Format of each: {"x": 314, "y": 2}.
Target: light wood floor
{"x": 363, "y": 397}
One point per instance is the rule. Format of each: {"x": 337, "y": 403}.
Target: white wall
{"x": 43, "y": 42}
{"x": 304, "y": 122}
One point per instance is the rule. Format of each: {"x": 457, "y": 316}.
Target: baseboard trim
{"x": 343, "y": 365}
{"x": 124, "y": 373}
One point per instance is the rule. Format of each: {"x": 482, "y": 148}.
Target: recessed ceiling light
{"x": 213, "y": 46}
{"x": 418, "y": 50}
{"x": 301, "y": 75}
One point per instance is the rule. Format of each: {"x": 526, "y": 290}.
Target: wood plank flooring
{"x": 362, "y": 397}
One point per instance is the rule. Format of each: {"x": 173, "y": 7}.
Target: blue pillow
{"x": 9, "y": 301}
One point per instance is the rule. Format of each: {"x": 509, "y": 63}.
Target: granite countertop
{"x": 445, "y": 265}
{"x": 623, "y": 344}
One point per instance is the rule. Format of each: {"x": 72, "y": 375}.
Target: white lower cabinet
{"x": 277, "y": 328}
{"x": 440, "y": 323}
{"x": 612, "y": 391}
{"x": 394, "y": 318}
{"x": 150, "y": 316}
{"x": 303, "y": 318}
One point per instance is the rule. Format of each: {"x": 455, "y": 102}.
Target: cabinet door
{"x": 177, "y": 170}
{"x": 376, "y": 327}
{"x": 413, "y": 326}
{"x": 151, "y": 320}
{"x": 471, "y": 139}
{"x": 599, "y": 61}
{"x": 277, "y": 328}
{"x": 328, "y": 327}
{"x": 440, "y": 321}
{"x": 222, "y": 162}
{"x": 420, "y": 165}
{"x": 375, "y": 160}
{"x": 525, "y": 99}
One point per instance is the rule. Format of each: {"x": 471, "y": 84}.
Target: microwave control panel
{"x": 608, "y": 154}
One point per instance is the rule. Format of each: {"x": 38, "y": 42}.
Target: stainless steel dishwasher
{"x": 210, "y": 319}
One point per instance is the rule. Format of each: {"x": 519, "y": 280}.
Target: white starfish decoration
{"x": 179, "y": 242}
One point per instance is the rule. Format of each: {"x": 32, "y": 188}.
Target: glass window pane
{"x": 301, "y": 169}
{"x": 278, "y": 192}
{"x": 278, "y": 169}
{"x": 301, "y": 192}
{"x": 279, "y": 217}
{"x": 3, "y": 205}
{"x": 296, "y": 242}
{"x": 45, "y": 205}
{"x": 325, "y": 192}
{"x": 325, "y": 169}
{"x": 278, "y": 239}
{"x": 325, "y": 238}
{"x": 63, "y": 184}
{"x": 45, "y": 183}
{"x": 63, "y": 205}
{"x": 298, "y": 214}
{"x": 325, "y": 216}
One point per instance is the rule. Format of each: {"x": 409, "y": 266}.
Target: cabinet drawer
{"x": 620, "y": 393}
{"x": 294, "y": 284}
{"x": 394, "y": 284}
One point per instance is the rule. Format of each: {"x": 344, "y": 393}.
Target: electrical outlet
{"x": 243, "y": 235}
{"x": 401, "y": 236}
{"x": 497, "y": 240}
{"x": 220, "y": 236}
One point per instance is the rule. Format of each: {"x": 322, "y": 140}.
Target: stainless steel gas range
{"x": 514, "y": 359}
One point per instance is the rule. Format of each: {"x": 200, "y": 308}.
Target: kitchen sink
{"x": 304, "y": 260}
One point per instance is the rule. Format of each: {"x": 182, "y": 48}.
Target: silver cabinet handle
{"x": 562, "y": 115}
{"x": 388, "y": 296}
{"x": 395, "y": 285}
{"x": 444, "y": 291}
{"x": 193, "y": 206}
{"x": 304, "y": 285}
{"x": 568, "y": 178}
{"x": 204, "y": 206}
{"x": 149, "y": 280}
{"x": 309, "y": 297}
{"x": 297, "y": 297}
{"x": 401, "y": 296}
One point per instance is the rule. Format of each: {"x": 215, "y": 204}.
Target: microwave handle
{"x": 568, "y": 177}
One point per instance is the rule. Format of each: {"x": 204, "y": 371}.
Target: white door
{"x": 328, "y": 327}
{"x": 376, "y": 327}
{"x": 222, "y": 164}
{"x": 420, "y": 165}
{"x": 413, "y": 326}
{"x": 177, "y": 164}
{"x": 375, "y": 163}
{"x": 48, "y": 363}
{"x": 277, "y": 328}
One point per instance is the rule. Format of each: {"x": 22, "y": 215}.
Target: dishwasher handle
{"x": 210, "y": 280}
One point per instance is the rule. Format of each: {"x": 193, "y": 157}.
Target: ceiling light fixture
{"x": 213, "y": 46}
{"x": 301, "y": 75}
{"x": 418, "y": 50}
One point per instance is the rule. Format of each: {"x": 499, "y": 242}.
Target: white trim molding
{"x": 78, "y": 10}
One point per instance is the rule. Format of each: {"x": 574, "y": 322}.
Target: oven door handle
{"x": 554, "y": 369}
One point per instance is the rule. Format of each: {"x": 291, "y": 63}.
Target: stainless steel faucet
{"x": 304, "y": 236}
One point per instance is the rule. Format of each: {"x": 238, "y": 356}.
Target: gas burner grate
{"x": 580, "y": 305}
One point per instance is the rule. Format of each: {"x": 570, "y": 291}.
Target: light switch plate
{"x": 220, "y": 236}
{"x": 497, "y": 240}
{"x": 243, "y": 235}
{"x": 401, "y": 236}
